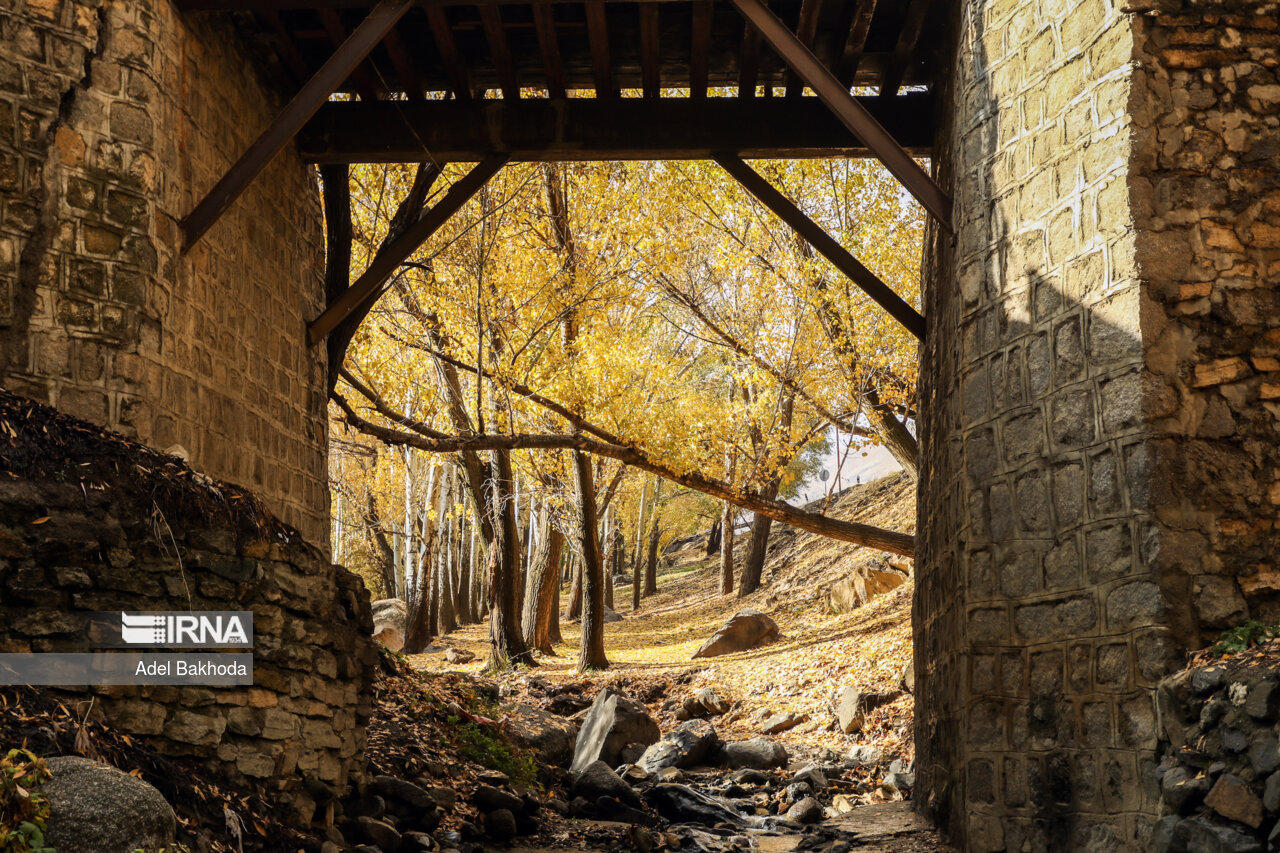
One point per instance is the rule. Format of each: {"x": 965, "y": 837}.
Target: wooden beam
{"x": 806, "y": 29}
{"x": 544, "y": 24}
{"x": 542, "y": 129}
{"x": 365, "y": 83}
{"x": 295, "y": 114}
{"x": 367, "y": 288}
{"x": 700, "y": 48}
{"x": 496, "y": 35}
{"x": 410, "y": 80}
{"x": 650, "y": 75}
{"x": 824, "y": 243}
{"x": 749, "y": 63}
{"x": 454, "y": 66}
{"x": 856, "y": 44}
{"x": 855, "y": 116}
{"x": 598, "y": 36}
{"x": 896, "y": 70}
{"x": 287, "y": 47}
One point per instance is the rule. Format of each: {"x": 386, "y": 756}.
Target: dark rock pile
{"x": 1219, "y": 776}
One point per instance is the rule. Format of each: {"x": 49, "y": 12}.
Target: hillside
{"x": 822, "y": 652}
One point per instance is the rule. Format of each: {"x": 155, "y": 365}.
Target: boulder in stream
{"x": 682, "y": 804}
{"x": 759, "y": 753}
{"x": 689, "y": 745}
{"x": 613, "y": 722}
{"x": 598, "y": 780}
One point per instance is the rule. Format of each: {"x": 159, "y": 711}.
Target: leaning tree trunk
{"x": 753, "y": 568}
{"x": 655, "y": 530}
{"x": 713, "y": 538}
{"x": 540, "y": 592}
{"x": 726, "y": 548}
{"x": 591, "y": 654}
{"x": 504, "y": 626}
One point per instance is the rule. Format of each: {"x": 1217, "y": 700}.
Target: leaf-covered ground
{"x": 821, "y": 652}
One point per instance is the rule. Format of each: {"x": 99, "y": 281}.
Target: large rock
{"x": 611, "y": 615}
{"x": 96, "y": 808}
{"x": 547, "y": 736}
{"x": 598, "y": 780}
{"x": 613, "y": 722}
{"x": 682, "y": 804}
{"x": 746, "y": 629}
{"x": 759, "y": 753}
{"x": 860, "y": 587}
{"x": 688, "y": 746}
{"x": 389, "y": 616}
{"x": 853, "y": 705}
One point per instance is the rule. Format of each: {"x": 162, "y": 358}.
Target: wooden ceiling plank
{"x": 454, "y": 66}
{"x": 905, "y": 49}
{"x": 549, "y": 45}
{"x": 295, "y": 114}
{"x": 287, "y": 47}
{"x": 598, "y": 37}
{"x": 700, "y": 48}
{"x": 649, "y": 58}
{"x": 366, "y": 82}
{"x": 406, "y": 71}
{"x": 850, "y": 111}
{"x": 749, "y": 64}
{"x": 806, "y": 29}
{"x": 495, "y": 34}
{"x": 856, "y": 44}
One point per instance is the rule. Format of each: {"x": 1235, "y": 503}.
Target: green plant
{"x": 492, "y": 752}
{"x": 24, "y": 810}
{"x": 1243, "y": 637}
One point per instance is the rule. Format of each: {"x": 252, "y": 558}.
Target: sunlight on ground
{"x": 821, "y": 652}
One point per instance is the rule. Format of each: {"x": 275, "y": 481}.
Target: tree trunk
{"x": 753, "y": 568}
{"x": 574, "y": 610}
{"x": 726, "y": 549}
{"x": 504, "y": 618}
{"x": 540, "y": 589}
{"x": 606, "y": 557}
{"x": 421, "y": 613}
{"x": 554, "y": 629}
{"x": 655, "y": 530}
{"x": 448, "y": 621}
{"x": 386, "y": 554}
{"x": 462, "y": 590}
{"x": 893, "y": 433}
{"x": 591, "y": 654}
{"x": 639, "y": 548}
{"x": 713, "y": 538}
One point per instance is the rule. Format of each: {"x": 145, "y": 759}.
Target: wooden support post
{"x": 544, "y": 23}
{"x": 854, "y": 115}
{"x": 598, "y": 39}
{"x": 368, "y": 286}
{"x": 811, "y": 231}
{"x": 303, "y": 106}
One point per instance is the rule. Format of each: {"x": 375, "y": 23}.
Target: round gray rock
{"x": 95, "y": 807}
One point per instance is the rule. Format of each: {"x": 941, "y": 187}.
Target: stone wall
{"x": 1098, "y": 446}
{"x": 115, "y": 117}
{"x": 1219, "y": 785}
{"x": 127, "y": 529}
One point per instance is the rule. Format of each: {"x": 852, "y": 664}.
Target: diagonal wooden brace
{"x": 864, "y": 278}
{"x": 854, "y": 115}
{"x": 368, "y": 287}
{"x": 291, "y": 119}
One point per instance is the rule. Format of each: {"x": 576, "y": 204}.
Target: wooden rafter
{"x": 855, "y": 116}
{"x": 295, "y": 114}
{"x": 365, "y": 82}
{"x": 824, "y": 243}
{"x": 495, "y": 34}
{"x": 650, "y": 74}
{"x": 904, "y": 51}
{"x": 856, "y": 44}
{"x": 700, "y": 48}
{"x": 598, "y": 36}
{"x": 454, "y": 66}
{"x": 410, "y": 80}
{"x": 368, "y": 287}
{"x": 806, "y": 29}
{"x": 749, "y": 63}
{"x": 544, "y": 24}
{"x": 287, "y": 47}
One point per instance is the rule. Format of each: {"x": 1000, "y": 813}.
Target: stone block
{"x": 1232, "y": 798}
